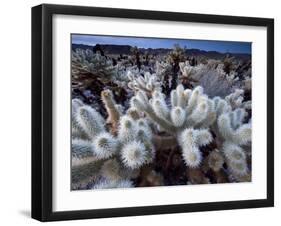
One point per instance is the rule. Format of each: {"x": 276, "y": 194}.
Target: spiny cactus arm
{"x": 77, "y": 131}
{"x": 224, "y": 126}
{"x": 85, "y": 172}
{"x": 137, "y": 84}
{"x": 187, "y": 72}
{"x": 149, "y": 83}
{"x": 141, "y": 81}
{"x": 144, "y": 106}
{"x": 236, "y": 100}
{"x": 179, "y": 97}
{"x": 202, "y": 137}
{"x": 178, "y": 116}
{"x": 111, "y": 108}
{"x": 198, "y": 115}
{"x": 237, "y": 117}
{"x": 150, "y": 152}
{"x": 194, "y": 99}
{"x": 160, "y": 108}
{"x": 81, "y": 148}
{"x": 133, "y": 154}
{"x": 76, "y": 103}
{"x": 211, "y": 116}
{"x": 90, "y": 121}
{"x": 243, "y": 135}
{"x": 233, "y": 152}
{"x": 143, "y": 129}
{"x": 190, "y": 140}
{"x": 240, "y": 135}
{"x": 236, "y": 95}
{"x": 221, "y": 106}
{"x": 127, "y": 129}
{"x": 174, "y": 98}
{"x": 105, "y": 145}
{"x": 236, "y": 160}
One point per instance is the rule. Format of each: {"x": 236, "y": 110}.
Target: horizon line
{"x": 87, "y": 44}
{"x": 155, "y": 42}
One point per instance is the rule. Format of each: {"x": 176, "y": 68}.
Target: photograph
{"x": 156, "y": 111}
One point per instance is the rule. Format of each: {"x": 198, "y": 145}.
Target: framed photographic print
{"x": 146, "y": 112}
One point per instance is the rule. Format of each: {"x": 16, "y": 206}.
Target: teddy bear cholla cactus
{"x": 163, "y": 70}
{"x": 95, "y": 63}
{"x": 148, "y": 83}
{"x": 236, "y": 100}
{"x": 187, "y": 74}
{"x": 188, "y": 119}
{"x": 232, "y": 134}
{"x": 118, "y": 155}
{"x": 210, "y": 76}
{"x": 187, "y": 70}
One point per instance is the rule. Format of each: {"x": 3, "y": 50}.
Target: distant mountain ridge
{"x": 125, "y": 49}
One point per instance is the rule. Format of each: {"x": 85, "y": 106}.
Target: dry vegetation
{"x": 145, "y": 120}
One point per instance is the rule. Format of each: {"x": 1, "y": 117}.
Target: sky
{"x": 219, "y": 46}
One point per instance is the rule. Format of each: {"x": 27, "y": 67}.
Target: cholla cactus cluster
{"x": 148, "y": 82}
{"x": 163, "y": 70}
{"x": 236, "y": 100}
{"x": 187, "y": 71}
{"x": 188, "y": 108}
{"x": 190, "y": 118}
{"x": 94, "y": 62}
{"x": 155, "y": 133}
{"x": 117, "y": 154}
{"x": 211, "y": 76}
{"x": 234, "y": 134}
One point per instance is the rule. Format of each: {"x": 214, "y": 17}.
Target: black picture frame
{"x": 42, "y": 111}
